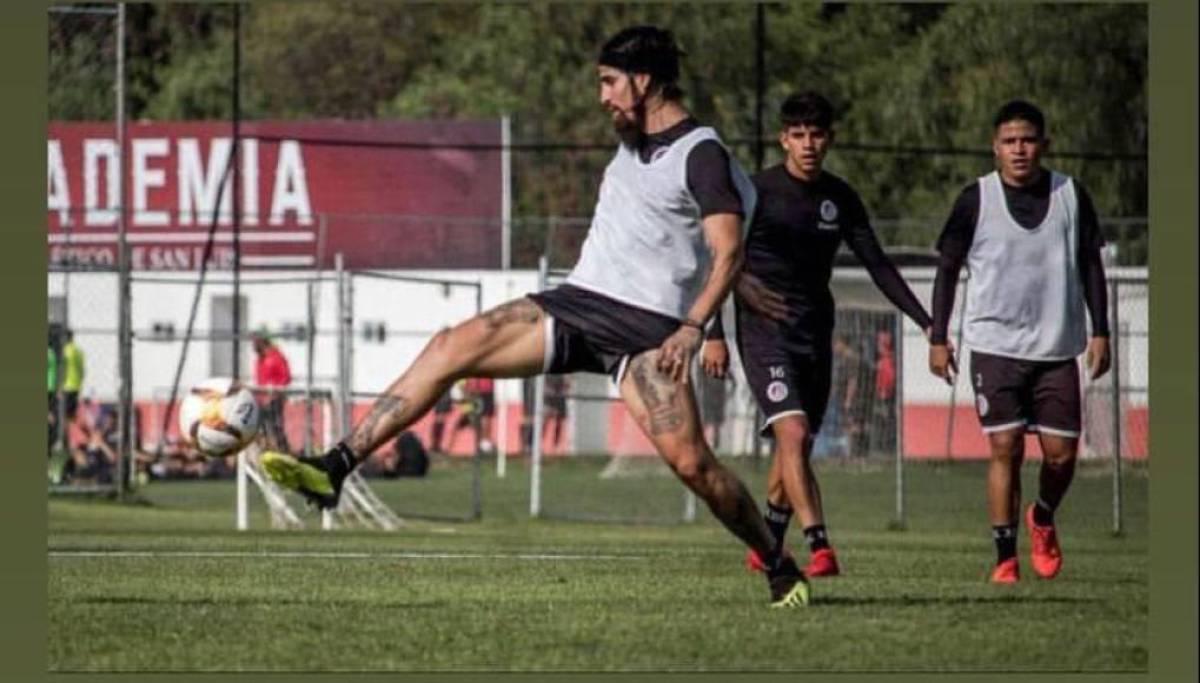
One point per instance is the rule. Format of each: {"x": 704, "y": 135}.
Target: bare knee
{"x": 1058, "y": 454}
{"x": 792, "y": 439}
{"x": 1006, "y": 446}
{"x": 692, "y": 468}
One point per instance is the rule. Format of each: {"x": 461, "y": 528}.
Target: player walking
{"x": 1031, "y": 242}
{"x": 785, "y": 312}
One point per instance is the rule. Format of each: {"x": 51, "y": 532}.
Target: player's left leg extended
{"x": 666, "y": 411}
{"x": 507, "y": 341}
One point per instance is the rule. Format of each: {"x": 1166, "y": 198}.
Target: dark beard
{"x": 632, "y": 136}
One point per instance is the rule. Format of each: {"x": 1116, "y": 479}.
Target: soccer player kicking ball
{"x": 785, "y": 312}
{"x": 664, "y": 248}
{"x": 1031, "y": 242}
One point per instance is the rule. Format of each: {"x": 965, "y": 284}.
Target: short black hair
{"x": 646, "y": 50}
{"x": 1020, "y": 110}
{"x": 806, "y": 108}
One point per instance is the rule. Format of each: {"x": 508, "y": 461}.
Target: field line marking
{"x": 333, "y": 554}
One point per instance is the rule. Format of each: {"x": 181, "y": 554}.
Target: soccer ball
{"x": 218, "y": 417}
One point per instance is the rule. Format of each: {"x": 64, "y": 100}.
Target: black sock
{"x": 816, "y": 537}
{"x": 339, "y": 461}
{"x": 1005, "y": 537}
{"x": 1043, "y": 515}
{"x": 777, "y": 519}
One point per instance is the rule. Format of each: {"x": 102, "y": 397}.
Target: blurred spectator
{"x": 52, "y": 392}
{"x": 73, "y": 371}
{"x": 406, "y": 458}
{"x": 883, "y": 418}
{"x": 712, "y": 393}
{"x": 554, "y": 401}
{"x": 95, "y": 458}
{"x": 180, "y": 461}
{"x": 852, "y": 388}
{"x": 555, "y": 411}
{"x": 480, "y": 392}
{"x": 527, "y": 389}
{"x": 271, "y": 371}
{"x": 841, "y": 428}
{"x": 440, "y": 410}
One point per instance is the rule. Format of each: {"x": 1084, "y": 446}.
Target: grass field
{"x": 167, "y": 585}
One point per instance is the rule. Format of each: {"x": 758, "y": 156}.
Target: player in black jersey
{"x": 785, "y": 311}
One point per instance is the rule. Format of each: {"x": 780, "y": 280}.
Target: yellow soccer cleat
{"x": 789, "y": 585}
{"x": 306, "y": 476}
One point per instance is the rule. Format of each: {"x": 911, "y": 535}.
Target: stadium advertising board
{"x": 386, "y": 194}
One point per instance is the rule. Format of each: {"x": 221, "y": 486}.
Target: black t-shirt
{"x": 797, "y": 228}
{"x": 1028, "y": 206}
{"x": 708, "y": 174}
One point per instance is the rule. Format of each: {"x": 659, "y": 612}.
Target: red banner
{"x": 385, "y": 194}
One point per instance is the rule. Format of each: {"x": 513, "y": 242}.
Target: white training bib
{"x": 1025, "y": 299}
{"x": 646, "y": 243}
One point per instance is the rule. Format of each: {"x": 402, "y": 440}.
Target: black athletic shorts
{"x": 590, "y": 332}
{"x": 788, "y": 374}
{"x": 1037, "y": 395}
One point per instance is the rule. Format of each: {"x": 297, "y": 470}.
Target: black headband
{"x": 655, "y": 54}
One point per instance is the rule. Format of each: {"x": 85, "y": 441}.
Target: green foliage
{"x": 902, "y": 76}
{"x": 81, "y": 68}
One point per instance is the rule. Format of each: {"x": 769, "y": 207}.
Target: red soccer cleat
{"x": 823, "y": 563}
{"x": 1008, "y": 571}
{"x": 754, "y": 561}
{"x": 1045, "y": 555}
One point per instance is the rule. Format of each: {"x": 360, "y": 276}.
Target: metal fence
{"x": 352, "y": 338}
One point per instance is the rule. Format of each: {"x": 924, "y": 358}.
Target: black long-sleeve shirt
{"x": 1028, "y": 207}
{"x": 797, "y": 229}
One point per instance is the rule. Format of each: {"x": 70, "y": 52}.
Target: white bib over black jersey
{"x": 1025, "y": 299}
{"x": 646, "y": 244}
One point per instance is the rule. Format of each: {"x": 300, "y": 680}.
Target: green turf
{"x": 664, "y": 598}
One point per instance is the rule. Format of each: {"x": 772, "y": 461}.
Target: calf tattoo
{"x": 387, "y": 411}
{"x": 664, "y": 402}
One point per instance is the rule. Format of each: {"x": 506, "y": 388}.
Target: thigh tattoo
{"x": 519, "y": 311}
{"x": 664, "y": 404}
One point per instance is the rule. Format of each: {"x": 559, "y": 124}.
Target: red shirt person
{"x": 272, "y": 370}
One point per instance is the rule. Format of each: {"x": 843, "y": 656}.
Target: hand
{"x": 1098, "y": 358}
{"x": 760, "y": 298}
{"x": 949, "y": 344}
{"x": 942, "y": 363}
{"x": 675, "y": 354}
{"x": 714, "y": 358}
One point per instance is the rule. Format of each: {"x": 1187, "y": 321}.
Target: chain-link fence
{"x": 82, "y": 376}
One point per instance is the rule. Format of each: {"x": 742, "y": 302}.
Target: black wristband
{"x": 688, "y": 322}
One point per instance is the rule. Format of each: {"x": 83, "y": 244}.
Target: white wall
{"x": 412, "y": 312}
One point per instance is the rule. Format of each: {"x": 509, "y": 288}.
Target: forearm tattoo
{"x": 663, "y": 397}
